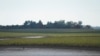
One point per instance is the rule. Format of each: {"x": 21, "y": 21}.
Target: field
{"x": 71, "y": 37}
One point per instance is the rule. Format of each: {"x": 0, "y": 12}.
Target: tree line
{"x": 39, "y": 25}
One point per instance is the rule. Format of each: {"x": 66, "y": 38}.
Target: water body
{"x": 46, "y": 52}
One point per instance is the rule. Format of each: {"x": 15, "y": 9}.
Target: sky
{"x": 14, "y": 12}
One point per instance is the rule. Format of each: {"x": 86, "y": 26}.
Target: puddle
{"x": 4, "y": 39}
{"x": 23, "y": 37}
{"x": 34, "y": 37}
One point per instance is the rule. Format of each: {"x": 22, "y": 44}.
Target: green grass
{"x": 70, "y": 41}
{"x": 88, "y": 39}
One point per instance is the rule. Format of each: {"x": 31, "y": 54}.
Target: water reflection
{"x": 45, "y": 52}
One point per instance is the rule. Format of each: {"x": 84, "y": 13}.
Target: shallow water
{"x": 4, "y": 39}
{"x": 46, "y": 52}
{"x": 34, "y": 37}
{"x": 23, "y": 37}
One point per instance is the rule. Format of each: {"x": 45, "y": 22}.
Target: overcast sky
{"x": 18, "y": 11}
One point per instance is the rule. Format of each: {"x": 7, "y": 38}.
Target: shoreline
{"x": 51, "y": 46}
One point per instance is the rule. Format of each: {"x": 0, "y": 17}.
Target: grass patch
{"x": 65, "y": 39}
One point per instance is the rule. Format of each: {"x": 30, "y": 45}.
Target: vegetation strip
{"x": 51, "y": 39}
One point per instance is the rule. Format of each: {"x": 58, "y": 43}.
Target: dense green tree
{"x": 87, "y": 26}
{"x": 57, "y": 24}
{"x": 49, "y": 25}
{"x": 79, "y": 24}
{"x": 69, "y": 24}
{"x": 40, "y": 24}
